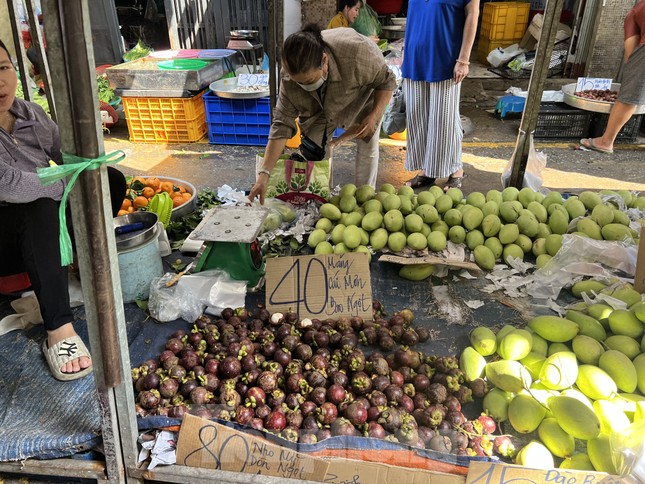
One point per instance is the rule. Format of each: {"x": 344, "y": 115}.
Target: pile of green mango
{"x": 494, "y": 226}
{"x": 564, "y": 380}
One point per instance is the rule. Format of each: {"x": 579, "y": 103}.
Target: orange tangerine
{"x": 153, "y": 182}
{"x": 140, "y": 202}
{"x": 130, "y": 209}
{"x": 167, "y": 186}
{"x": 187, "y": 196}
{"x": 126, "y": 203}
{"x": 175, "y": 194}
{"x": 122, "y": 212}
{"x": 148, "y": 192}
{"x": 181, "y": 188}
{"x": 177, "y": 201}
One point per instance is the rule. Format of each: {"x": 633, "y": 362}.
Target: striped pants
{"x": 434, "y": 128}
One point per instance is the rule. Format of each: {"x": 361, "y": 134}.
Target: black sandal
{"x": 420, "y": 181}
{"x": 454, "y": 182}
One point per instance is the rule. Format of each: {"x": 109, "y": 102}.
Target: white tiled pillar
{"x": 292, "y": 17}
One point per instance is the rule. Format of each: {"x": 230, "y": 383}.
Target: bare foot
{"x": 64, "y": 332}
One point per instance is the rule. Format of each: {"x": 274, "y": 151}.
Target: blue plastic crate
{"x": 237, "y": 121}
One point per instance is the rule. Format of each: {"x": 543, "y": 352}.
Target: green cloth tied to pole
{"x": 73, "y": 166}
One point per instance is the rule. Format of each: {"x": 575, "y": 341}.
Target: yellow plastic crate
{"x": 165, "y": 120}
{"x": 486, "y": 46}
{"x": 504, "y": 20}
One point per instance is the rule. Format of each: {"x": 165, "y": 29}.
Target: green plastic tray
{"x": 182, "y": 64}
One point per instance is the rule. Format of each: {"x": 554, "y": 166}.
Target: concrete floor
{"x": 486, "y": 151}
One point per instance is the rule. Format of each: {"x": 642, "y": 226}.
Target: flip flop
{"x": 63, "y": 352}
{"x": 420, "y": 181}
{"x": 590, "y": 146}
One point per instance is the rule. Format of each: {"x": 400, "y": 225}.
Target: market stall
{"x": 442, "y": 285}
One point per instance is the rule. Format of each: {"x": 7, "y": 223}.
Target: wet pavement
{"x": 486, "y": 152}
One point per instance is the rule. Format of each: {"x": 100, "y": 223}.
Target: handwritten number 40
{"x": 303, "y": 295}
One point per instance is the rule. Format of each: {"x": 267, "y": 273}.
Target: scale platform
{"x": 230, "y": 242}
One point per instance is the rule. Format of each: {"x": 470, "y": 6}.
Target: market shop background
{"x": 486, "y": 151}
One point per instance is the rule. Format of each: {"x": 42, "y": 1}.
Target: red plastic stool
{"x": 14, "y": 283}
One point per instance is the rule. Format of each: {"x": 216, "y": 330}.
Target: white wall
{"x": 5, "y": 28}
{"x": 292, "y": 17}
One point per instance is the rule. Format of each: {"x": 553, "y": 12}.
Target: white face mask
{"x": 314, "y": 85}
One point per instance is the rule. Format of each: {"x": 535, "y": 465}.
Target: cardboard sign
{"x": 206, "y": 444}
{"x": 347, "y": 471}
{"x": 639, "y": 275}
{"x": 585, "y": 83}
{"x": 320, "y": 286}
{"x": 430, "y": 259}
{"x": 489, "y": 473}
{"x": 252, "y": 80}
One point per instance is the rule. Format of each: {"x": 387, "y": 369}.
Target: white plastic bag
{"x": 188, "y": 298}
{"x": 534, "y": 167}
{"x": 582, "y": 256}
{"x": 501, "y": 56}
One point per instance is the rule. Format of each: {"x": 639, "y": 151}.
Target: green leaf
{"x": 142, "y": 303}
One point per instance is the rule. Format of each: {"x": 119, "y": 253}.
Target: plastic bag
{"x": 279, "y": 212}
{"x": 394, "y": 117}
{"x": 501, "y": 56}
{"x": 298, "y": 181}
{"x": 188, "y": 298}
{"x": 534, "y": 167}
{"x": 367, "y": 22}
{"x": 582, "y": 256}
{"x": 628, "y": 451}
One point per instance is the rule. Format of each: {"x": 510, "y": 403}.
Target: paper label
{"x": 489, "y": 473}
{"x": 320, "y": 286}
{"x": 586, "y": 83}
{"x": 252, "y": 80}
{"x": 207, "y": 444}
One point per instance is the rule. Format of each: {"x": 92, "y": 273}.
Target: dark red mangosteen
{"x": 230, "y": 367}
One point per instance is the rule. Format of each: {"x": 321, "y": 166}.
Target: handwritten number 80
{"x": 208, "y": 435}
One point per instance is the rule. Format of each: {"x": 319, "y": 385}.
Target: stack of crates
{"x": 165, "y": 119}
{"x": 237, "y": 121}
{"x": 503, "y": 24}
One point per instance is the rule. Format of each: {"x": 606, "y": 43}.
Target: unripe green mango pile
{"x": 567, "y": 379}
{"x": 495, "y": 226}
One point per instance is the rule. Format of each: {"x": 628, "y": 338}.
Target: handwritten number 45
{"x": 302, "y": 291}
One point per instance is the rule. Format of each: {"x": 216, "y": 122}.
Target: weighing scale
{"x": 230, "y": 242}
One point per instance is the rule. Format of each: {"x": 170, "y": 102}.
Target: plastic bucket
{"x": 14, "y": 283}
{"x": 137, "y": 267}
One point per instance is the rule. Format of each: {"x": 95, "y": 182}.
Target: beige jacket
{"x": 356, "y": 69}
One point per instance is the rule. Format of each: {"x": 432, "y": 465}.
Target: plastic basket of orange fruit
{"x": 158, "y": 194}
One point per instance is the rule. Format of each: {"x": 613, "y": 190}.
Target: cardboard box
{"x": 494, "y": 473}
{"x": 639, "y": 275}
{"x": 320, "y": 286}
{"x": 356, "y": 471}
{"x": 207, "y": 444}
{"x": 532, "y": 35}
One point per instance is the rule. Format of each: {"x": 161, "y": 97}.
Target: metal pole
{"x": 534, "y": 95}
{"x": 39, "y": 45}
{"x": 20, "y": 49}
{"x": 273, "y": 88}
{"x": 71, "y": 57}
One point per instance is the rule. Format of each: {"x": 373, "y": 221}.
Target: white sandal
{"x": 63, "y": 352}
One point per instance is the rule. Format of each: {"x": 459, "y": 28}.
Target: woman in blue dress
{"x": 438, "y": 42}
